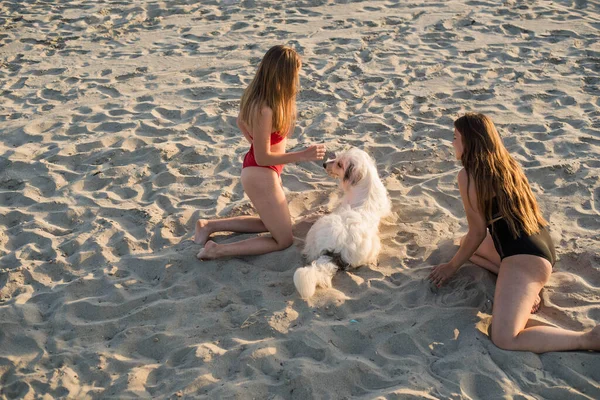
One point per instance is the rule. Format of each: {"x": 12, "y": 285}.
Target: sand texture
{"x": 117, "y": 132}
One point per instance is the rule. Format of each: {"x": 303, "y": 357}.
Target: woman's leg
{"x": 486, "y": 255}
{"x": 241, "y": 224}
{"x": 520, "y": 280}
{"x": 263, "y": 187}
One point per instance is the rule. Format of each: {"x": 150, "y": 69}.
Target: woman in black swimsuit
{"x": 518, "y": 248}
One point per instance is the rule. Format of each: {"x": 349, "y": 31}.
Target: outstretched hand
{"x": 441, "y": 273}
{"x": 316, "y": 152}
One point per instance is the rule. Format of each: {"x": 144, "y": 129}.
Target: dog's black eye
{"x": 340, "y": 164}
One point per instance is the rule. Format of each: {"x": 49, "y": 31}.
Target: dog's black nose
{"x": 324, "y": 165}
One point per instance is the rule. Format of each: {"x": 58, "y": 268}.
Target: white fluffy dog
{"x": 348, "y": 237}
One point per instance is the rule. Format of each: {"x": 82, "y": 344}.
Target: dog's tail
{"x": 317, "y": 274}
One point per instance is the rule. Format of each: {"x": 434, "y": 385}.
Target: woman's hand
{"x": 244, "y": 129}
{"x": 316, "y": 152}
{"x": 441, "y": 273}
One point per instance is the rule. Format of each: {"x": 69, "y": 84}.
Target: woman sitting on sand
{"x": 267, "y": 116}
{"x": 518, "y": 248}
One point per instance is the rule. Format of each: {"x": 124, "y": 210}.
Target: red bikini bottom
{"x": 250, "y": 161}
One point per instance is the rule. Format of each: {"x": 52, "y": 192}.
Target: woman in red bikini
{"x": 267, "y": 116}
{"x": 496, "y": 195}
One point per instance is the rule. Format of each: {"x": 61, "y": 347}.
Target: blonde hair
{"x": 496, "y": 173}
{"x": 275, "y": 86}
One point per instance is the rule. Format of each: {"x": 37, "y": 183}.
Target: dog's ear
{"x": 352, "y": 175}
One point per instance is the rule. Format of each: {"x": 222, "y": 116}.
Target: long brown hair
{"x": 275, "y": 86}
{"x": 496, "y": 173}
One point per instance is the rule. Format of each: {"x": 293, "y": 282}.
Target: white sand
{"x": 117, "y": 131}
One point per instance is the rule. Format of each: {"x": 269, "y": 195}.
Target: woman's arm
{"x": 475, "y": 235}
{"x": 262, "y": 145}
{"x": 475, "y": 219}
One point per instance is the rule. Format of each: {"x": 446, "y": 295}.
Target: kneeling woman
{"x": 518, "y": 247}
{"x": 267, "y": 117}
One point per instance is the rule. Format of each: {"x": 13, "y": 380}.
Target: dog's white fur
{"x": 352, "y": 230}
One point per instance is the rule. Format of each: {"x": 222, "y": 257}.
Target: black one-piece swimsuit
{"x": 539, "y": 244}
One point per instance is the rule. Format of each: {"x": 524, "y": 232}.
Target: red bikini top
{"x": 276, "y": 138}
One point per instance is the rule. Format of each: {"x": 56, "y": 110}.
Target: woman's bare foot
{"x": 536, "y": 305}
{"x": 209, "y": 251}
{"x": 202, "y": 231}
{"x": 593, "y": 338}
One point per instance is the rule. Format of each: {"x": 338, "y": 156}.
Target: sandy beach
{"x": 118, "y": 131}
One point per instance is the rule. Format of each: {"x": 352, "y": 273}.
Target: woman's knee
{"x": 284, "y": 241}
{"x": 503, "y": 340}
